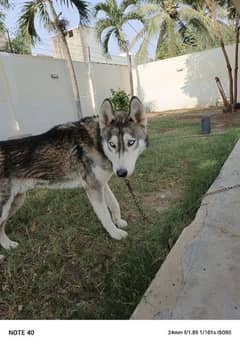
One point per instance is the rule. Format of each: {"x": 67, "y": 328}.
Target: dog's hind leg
{"x": 114, "y": 207}
{"x": 96, "y": 197}
{"x": 14, "y": 206}
{"x": 5, "y": 204}
{"x": 4, "y": 240}
{"x": 18, "y": 201}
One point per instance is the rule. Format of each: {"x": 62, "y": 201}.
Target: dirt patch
{"x": 219, "y": 119}
{"x": 185, "y": 113}
{"x": 226, "y": 120}
{"x": 192, "y": 117}
{"x": 167, "y": 130}
{"x": 160, "y": 200}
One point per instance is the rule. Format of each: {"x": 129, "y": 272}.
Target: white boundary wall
{"x": 183, "y": 82}
{"x": 31, "y": 102}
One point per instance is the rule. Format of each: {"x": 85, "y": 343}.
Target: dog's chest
{"x": 101, "y": 175}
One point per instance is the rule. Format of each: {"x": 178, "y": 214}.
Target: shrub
{"x": 120, "y": 99}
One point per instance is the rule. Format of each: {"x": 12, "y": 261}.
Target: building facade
{"x": 84, "y": 47}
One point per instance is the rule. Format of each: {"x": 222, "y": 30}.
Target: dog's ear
{"x": 137, "y": 112}
{"x": 106, "y": 114}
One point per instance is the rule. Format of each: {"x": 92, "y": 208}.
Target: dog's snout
{"x": 122, "y": 173}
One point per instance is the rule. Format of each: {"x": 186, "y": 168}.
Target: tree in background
{"x": 48, "y": 17}
{"x": 17, "y": 45}
{"x": 111, "y": 25}
{"x": 233, "y": 80}
{"x": 4, "y": 4}
{"x": 179, "y": 27}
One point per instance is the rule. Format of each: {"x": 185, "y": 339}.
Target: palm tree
{"x": 176, "y": 26}
{"x": 4, "y": 4}
{"x": 17, "y": 45}
{"x": 51, "y": 22}
{"x": 111, "y": 25}
{"x": 233, "y": 80}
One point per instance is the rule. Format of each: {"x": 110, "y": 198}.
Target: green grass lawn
{"x": 67, "y": 267}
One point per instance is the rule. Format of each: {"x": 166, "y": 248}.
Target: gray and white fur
{"x": 78, "y": 154}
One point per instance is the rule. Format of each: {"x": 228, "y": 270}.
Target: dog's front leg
{"x": 114, "y": 207}
{"x": 96, "y": 197}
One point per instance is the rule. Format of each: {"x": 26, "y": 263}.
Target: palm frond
{"x": 5, "y": 4}
{"x": 101, "y": 6}
{"x": 126, "y": 3}
{"x": 26, "y": 22}
{"x": 142, "y": 53}
{"x": 81, "y": 6}
{"x": 139, "y": 36}
{"x": 109, "y": 8}
{"x": 44, "y": 17}
{"x": 203, "y": 27}
{"x": 153, "y": 24}
{"x": 152, "y": 28}
{"x": 101, "y": 26}
{"x": 83, "y": 10}
{"x": 132, "y": 16}
{"x": 105, "y": 41}
{"x": 148, "y": 10}
{"x": 199, "y": 21}
{"x": 112, "y": 23}
{"x": 119, "y": 35}
{"x": 2, "y": 25}
{"x": 194, "y": 4}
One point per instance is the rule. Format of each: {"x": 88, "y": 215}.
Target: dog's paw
{"x": 121, "y": 223}
{"x": 119, "y": 234}
{"x": 10, "y": 245}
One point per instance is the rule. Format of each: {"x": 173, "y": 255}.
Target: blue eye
{"x": 131, "y": 142}
{"x": 112, "y": 144}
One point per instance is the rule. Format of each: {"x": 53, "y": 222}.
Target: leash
{"x": 221, "y": 190}
{"x": 145, "y": 218}
{"x": 136, "y": 200}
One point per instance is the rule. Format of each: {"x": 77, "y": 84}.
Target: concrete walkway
{"x": 200, "y": 278}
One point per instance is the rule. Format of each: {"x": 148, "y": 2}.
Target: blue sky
{"x": 44, "y": 47}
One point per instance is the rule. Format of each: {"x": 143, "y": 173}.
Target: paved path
{"x": 200, "y": 278}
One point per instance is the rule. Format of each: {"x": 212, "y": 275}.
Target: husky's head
{"x": 124, "y": 135}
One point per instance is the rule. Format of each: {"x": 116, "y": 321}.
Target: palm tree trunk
{"x": 236, "y": 65}
{"x": 69, "y": 61}
{"x": 229, "y": 68}
{"x": 129, "y": 62}
{"x": 9, "y": 42}
{"x": 211, "y": 8}
{"x": 172, "y": 46}
{"x": 222, "y": 93}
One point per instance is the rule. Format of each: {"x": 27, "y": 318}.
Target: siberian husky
{"x": 78, "y": 154}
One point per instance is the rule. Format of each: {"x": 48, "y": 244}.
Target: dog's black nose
{"x": 122, "y": 173}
